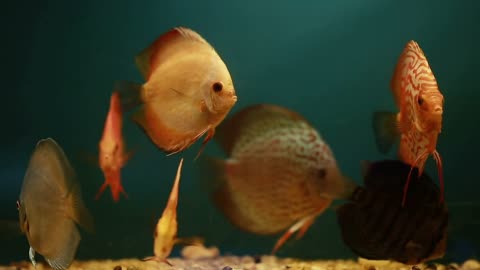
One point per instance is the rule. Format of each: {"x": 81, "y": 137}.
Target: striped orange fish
{"x": 419, "y": 120}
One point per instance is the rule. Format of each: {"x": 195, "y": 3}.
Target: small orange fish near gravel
{"x": 165, "y": 235}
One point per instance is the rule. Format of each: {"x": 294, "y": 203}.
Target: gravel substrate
{"x": 247, "y": 263}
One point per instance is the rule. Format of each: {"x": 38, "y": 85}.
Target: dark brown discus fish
{"x": 376, "y": 226}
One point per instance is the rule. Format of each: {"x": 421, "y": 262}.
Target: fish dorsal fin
{"x": 162, "y": 47}
{"x": 253, "y": 121}
{"x": 171, "y": 208}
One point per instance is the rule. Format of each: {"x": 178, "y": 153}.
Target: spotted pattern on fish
{"x": 276, "y": 169}
{"x": 301, "y": 141}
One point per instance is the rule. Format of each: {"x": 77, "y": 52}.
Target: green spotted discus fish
{"x": 280, "y": 173}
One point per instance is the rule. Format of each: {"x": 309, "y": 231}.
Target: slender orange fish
{"x": 419, "y": 121}
{"x": 112, "y": 156}
{"x": 187, "y": 93}
{"x": 165, "y": 234}
{"x": 280, "y": 174}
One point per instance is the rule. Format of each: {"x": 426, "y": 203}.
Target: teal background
{"x": 329, "y": 60}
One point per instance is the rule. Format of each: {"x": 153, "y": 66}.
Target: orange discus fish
{"x": 112, "y": 156}
{"x": 280, "y": 174}
{"x": 419, "y": 121}
{"x": 187, "y": 93}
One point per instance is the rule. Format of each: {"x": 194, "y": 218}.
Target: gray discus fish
{"x": 50, "y": 206}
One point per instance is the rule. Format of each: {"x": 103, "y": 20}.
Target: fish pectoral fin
{"x": 128, "y": 155}
{"x": 386, "y": 130}
{"x": 302, "y": 225}
{"x": 101, "y": 190}
{"x": 189, "y": 241}
{"x": 203, "y": 106}
{"x": 78, "y": 211}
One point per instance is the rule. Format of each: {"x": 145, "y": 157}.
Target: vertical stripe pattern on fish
{"x": 419, "y": 121}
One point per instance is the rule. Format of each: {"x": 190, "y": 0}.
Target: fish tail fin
{"x": 129, "y": 93}
{"x": 78, "y": 211}
{"x": 101, "y": 190}
{"x": 385, "y": 128}
{"x": 116, "y": 187}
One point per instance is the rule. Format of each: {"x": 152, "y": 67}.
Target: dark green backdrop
{"x": 329, "y": 60}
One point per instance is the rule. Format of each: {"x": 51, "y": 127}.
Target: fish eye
{"x": 322, "y": 173}
{"x": 420, "y": 101}
{"x": 217, "y": 87}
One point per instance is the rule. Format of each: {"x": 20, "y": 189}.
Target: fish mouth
{"x": 437, "y": 112}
